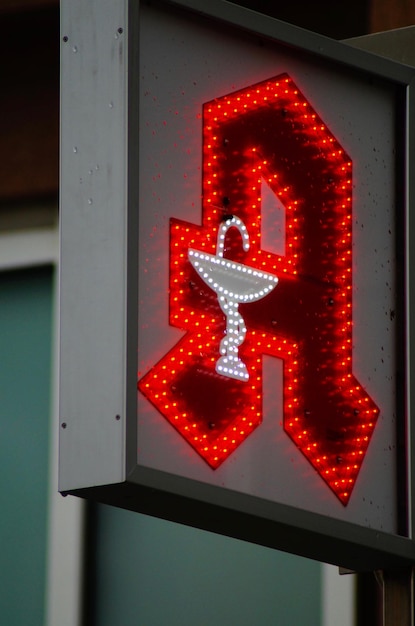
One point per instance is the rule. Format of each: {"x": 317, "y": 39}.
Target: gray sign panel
{"x": 277, "y": 415}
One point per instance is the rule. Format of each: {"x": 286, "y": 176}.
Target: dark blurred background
{"x": 29, "y": 109}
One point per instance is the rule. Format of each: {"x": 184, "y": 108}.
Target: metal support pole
{"x": 398, "y": 605}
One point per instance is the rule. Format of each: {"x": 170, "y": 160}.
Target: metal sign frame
{"x": 100, "y": 301}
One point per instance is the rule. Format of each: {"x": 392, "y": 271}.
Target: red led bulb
{"x": 266, "y": 134}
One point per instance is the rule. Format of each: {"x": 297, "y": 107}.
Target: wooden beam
{"x": 29, "y": 106}
{"x": 12, "y": 6}
{"x": 398, "y": 598}
{"x": 387, "y": 14}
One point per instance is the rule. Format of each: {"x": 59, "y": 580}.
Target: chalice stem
{"x": 230, "y": 362}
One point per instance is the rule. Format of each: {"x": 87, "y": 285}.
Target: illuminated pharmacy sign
{"x": 236, "y": 261}
{"x": 238, "y": 300}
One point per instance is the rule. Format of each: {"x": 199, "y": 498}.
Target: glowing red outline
{"x": 333, "y": 423}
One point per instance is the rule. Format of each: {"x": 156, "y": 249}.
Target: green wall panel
{"x": 154, "y": 573}
{"x": 25, "y": 366}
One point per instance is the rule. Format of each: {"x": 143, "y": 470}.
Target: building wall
{"x": 154, "y": 572}
{"x": 26, "y": 298}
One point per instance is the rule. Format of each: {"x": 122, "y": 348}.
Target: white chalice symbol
{"x": 233, "y": 283}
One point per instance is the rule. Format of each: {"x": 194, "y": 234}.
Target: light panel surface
{"x": 293, "y": 151}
